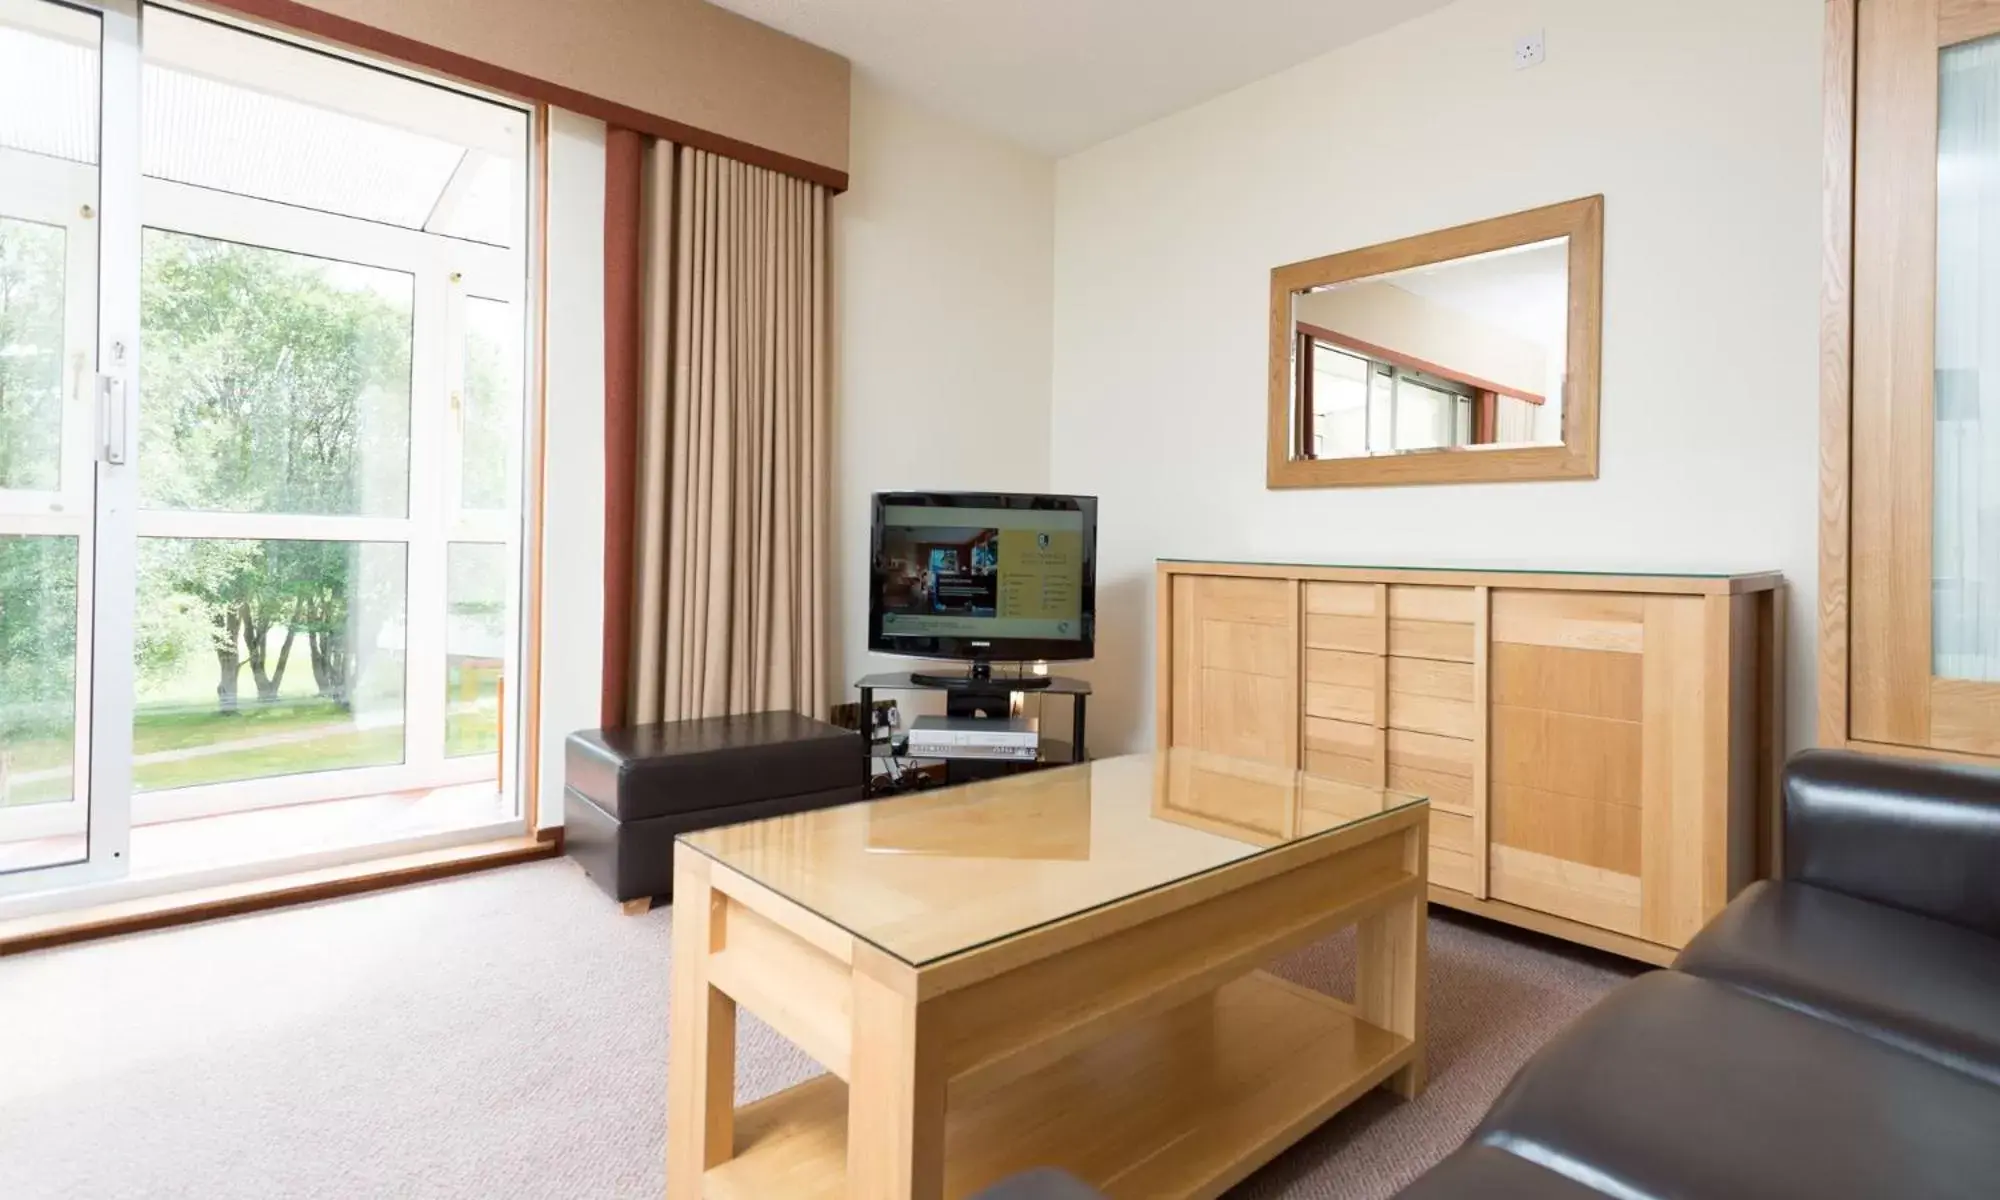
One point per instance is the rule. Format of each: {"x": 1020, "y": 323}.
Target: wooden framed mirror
{"x": 1461, "y": 356}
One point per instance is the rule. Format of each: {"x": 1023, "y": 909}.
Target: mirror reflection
{"x": 1465, "y": 354}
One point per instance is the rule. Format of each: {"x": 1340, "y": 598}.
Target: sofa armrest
{"x": 1919, "y": 836}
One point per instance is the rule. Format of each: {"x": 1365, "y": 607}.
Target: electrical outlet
{"x": 1529, "y": 50}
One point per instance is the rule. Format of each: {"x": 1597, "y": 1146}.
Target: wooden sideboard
{"x": 1600, "y": 751}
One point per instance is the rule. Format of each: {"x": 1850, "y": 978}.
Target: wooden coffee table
{"x": 1053, "y": 969}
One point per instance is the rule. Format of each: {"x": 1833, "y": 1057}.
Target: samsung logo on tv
{"x": 982, "y": 643}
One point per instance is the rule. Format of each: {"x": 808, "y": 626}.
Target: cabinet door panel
{"x": 1578, "y": 620}
{"x": 1592, "y": 757}
{"x": 1574, "y": 828}
{"x": 1590, "y": 683}
{"x": 1235, "y": 667}
{"x": 1606, "y": 899}
{"x": 1568, "y": 768}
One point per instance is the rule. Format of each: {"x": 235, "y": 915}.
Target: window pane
{"x": 1425, "y": 416}
{"x": 272, "y": 382}
{"x": 1340, "y": 403}
{"x": 235, "y": 111}
{"x": 263, "y": 658}
{"x": 489, "y": 207}
{"x": 216, "y": 135}
{"x": 37, "y": 670}
{"x": 1381, "y": 411}
{"x": 476, "y": 577}
{"x": 1966, "y": 546}
{"x": 48, "y": 81}
{"x": 31, "y": 354}
{"x": 490, "y": 415}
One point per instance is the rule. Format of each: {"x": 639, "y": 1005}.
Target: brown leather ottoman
{"x": 629, "y": 792}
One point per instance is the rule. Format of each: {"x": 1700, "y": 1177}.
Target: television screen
{"x": 981, "y": 575}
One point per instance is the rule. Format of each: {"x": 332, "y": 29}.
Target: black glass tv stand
{"x": 979, "y": 677}
{"x": 966, "y": 696}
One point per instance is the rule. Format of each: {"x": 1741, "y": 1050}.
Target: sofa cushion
{"x": 1490, "y": 1174}
{"x": 1676, "y": 1086}
{"x": 1930, "y": 987}
{"x": 687, "y": 766}
{"x": 1920, "y": 836}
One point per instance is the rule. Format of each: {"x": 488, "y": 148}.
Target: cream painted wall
{"x": 1698, "y": 121}
{"x": 942, "y": 253}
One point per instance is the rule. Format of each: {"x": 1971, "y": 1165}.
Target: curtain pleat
{"x": 732, "y": 520}
{"x": 649, "y": 565}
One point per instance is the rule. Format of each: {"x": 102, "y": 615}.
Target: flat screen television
{"x": 983, "y": 577}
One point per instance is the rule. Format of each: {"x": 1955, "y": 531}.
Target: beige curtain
{"x": 730, "y": 566}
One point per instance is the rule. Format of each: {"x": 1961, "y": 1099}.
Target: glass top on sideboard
{"x": 1490, "y": 568}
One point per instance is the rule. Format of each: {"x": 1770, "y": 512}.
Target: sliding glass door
{"x": 68, "y": 137}
{"x": 261, "y": 369}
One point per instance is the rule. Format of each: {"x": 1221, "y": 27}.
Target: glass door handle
{"x": 111, "y": 418}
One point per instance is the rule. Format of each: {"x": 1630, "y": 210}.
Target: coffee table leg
{"x": 701, "y": 1056}
{"x": 895, "y": 1092}
{"x": 1392, "y": 964}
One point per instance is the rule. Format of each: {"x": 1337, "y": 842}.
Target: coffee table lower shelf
{"x": 1183, "y": 1104}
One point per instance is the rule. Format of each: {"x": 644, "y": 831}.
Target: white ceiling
{"x": 1059, "y": 75}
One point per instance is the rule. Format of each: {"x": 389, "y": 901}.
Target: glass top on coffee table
{"x": 933, "y": 874}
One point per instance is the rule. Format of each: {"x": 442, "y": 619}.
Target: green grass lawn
{"x": 317, "y": 735}
{"x": 337, "y": 745}
{"x": 181, "y": 728}
{"x": 348, "y": 748}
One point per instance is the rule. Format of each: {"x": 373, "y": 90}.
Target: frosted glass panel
{"x": 1966, "y": 510}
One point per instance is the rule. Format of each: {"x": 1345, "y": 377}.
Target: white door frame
{"x": 105, "y": 575}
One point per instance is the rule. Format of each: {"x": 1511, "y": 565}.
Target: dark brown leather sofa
{"x": 1832, "y": 1034}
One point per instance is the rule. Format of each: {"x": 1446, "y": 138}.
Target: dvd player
{"x": 1013, "y": 738}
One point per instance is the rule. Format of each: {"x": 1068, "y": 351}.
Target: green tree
{"x": 37, "y": 574}
{"x": 31, "y": 353}
{"x": 271, "y": 382}
{"x": 492, "y": 368}
{"x": 37, "y": 637}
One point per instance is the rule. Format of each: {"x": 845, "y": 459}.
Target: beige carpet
{"x": 504, "y": 1035}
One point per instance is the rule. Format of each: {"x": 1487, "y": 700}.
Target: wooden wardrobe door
{"x": 1235, "y": 674}
{"x": 1924, "y": 641}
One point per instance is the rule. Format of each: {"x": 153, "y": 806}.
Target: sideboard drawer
{"x": 1432, "y": 622}
{"x": 1451, "y": 851}
{"x": 1345, "y": 616}
{"x": 1345, "y": 686}
{"x": 1431, "y": 696}
{"x": 1344, "y": 750}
